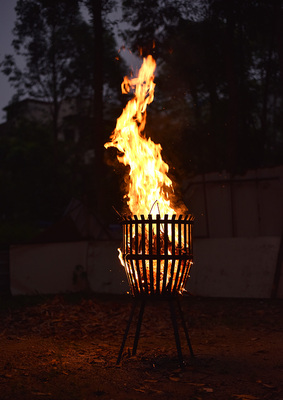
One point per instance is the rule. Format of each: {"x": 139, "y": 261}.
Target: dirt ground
{"x": 66, "y": 347}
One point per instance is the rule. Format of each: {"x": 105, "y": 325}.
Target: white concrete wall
{"x": 238, "y": 223}
{"x": 237, "y": 230}
{"x": 249, "y": 205}
{"x": 226, "y": 267}
{"x": 235, "y": 267}
{"x": 223, "y": 267}
{"x": 50, "y": 268}
{"x": 106, "y": 274}
{"x": 45, "y": 268}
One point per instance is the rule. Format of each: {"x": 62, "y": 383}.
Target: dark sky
{"x": 7, "y": 20}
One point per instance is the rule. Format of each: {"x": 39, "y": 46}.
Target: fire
{"x": 156, "y": 252}
{"x": 149, "y": 184}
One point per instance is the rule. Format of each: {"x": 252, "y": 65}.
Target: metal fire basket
{"x": 157, "y": 254}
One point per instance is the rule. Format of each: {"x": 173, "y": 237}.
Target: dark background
{"x": 218, "y": 100}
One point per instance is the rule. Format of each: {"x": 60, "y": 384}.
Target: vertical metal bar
{"x": 137, "y": 263}
{"x": 180, "y": 284}
{"x": 189, "y": 263}
{"x": 143, "y": 253}
{"x": 131, "y": 236}
{"x": 177, "y": 275}
{"x": 173, "y": 251}
{"x": 180, "y": 234}
{"x": 185, "y": 241}
{"x": 158, "y": 253}
{"x": 191, "y": 237}
{"x": 136, "y": 235}
{"x": 150, "y": 245}
{"x": 132, "y": 262}
{"x": 179, "y": 254}
{"x": 125, "y": 237}
{"x": 191, "y": 222}
{"x": 183, "y": 252}
{"x": 124, "y": 248}
{"x": 127, "y": 250}
{"x": 165, "y": 261}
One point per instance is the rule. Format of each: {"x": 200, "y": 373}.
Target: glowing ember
{"x": 148, "y": 183}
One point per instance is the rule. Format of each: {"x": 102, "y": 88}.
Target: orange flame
{"x": 148, "y": 184}
{"x": 148, "y": 193}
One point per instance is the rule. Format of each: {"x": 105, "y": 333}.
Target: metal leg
{"x": 174, "y": 323}
{"x": 176, "y": 333}
{"x": 138, "y": 329}
{"x": 126, "y": 332}
{"x": 185, "y": 327}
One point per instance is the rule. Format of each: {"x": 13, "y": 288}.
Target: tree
{"x": 106, "y": 70}
{"x": 148, "y": 21}
{"x": 44, "y": 36}
{"x": 35, "y": 188}
{"x": 67, "y": 55}
{"x": 219, "y": 80}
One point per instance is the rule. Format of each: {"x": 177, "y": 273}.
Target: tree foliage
{"x": 62, "y": 48}
{"x": 218, "y": 102}
{"x": 44, "y": 36}
{"x": 58, "y": 48}
{"x": 219, "y": 82}
{"x": 34, "y": 188}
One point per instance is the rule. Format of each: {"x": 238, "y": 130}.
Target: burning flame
{"x": 149, "y": 184}
{"x": 148, "y": 193}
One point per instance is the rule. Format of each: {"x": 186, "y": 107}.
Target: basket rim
{"x": 158, "y": 218}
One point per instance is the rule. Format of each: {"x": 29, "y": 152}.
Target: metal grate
{"x": 157, "y": 253}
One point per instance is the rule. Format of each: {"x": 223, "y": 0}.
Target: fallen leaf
{"x": 139, "y": 390}
{"x": 268, "y": 386}
{"x": 97, "y": 361}
{"x": 207, "y": 390}
{"x": 174, "y": 378}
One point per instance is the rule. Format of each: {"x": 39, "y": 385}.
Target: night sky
{"x": 7, "y": 20}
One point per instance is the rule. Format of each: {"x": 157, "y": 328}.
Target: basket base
{"x": 141, "y": 300}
